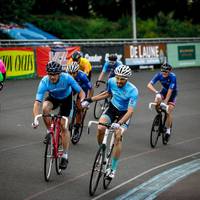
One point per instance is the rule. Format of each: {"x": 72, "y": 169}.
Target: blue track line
{"x": 154, "y": 186}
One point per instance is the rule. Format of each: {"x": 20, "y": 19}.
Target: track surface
{"x": 21, "y": 147}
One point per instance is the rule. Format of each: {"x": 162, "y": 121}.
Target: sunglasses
{"x": 121, "y": 78}
{"x": 53, "y": 74}
{"x": 165, "y": 71}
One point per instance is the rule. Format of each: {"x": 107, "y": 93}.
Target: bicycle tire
{"x": 106, "y": 180}
{"x": 99, "y": 108}
{"x": 96, "y": 170}
{"x": 155, "y": 131}
{"x": 1, "y": 86}
{"x": 82, "y": 122}
{"x": 71, "y": 127}
{"x": 60, "y": 152}
{"x": 48, "y": 157}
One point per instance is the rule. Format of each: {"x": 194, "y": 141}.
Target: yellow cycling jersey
{"x": 84, "y": 65}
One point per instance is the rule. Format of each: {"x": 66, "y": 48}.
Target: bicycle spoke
{"x": 96, "y": 171}
{"x": 155, "y": 131}
{"x": 48, "y": 158}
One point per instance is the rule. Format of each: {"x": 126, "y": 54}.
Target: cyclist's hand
{"x": 115, "y": 125}
{"x": 97, "y": 84}
{"x": 86, "y": 102}
{"x": 35, "y": 124}
{"x": 158, "y": 97}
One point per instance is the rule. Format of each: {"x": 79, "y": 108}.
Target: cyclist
{"x": 109, "y": 66}
{"x": 123, "y": 102}
{"x": 84, "y": 63}
{"x": 85, "y": 84}
{"x": 168, "y": 92}
{"x": 59, "y": 88}
{"x": 2, "y": 71}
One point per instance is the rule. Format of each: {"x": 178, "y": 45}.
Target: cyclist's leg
{"x": 79, "y": 113}
{"x": 171, "y": 103}
{"x": 117, "y": 149}
{"x": 65, "y": 108}
{"x": 106, "y": 118}
{"x": 48, "y": 105}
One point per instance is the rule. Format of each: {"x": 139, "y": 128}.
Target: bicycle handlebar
{"x": 96, "y": 122}
{"x": 51, "y": 115}
{"x": 99, "y": 81}
{"x": 162, "y": 105}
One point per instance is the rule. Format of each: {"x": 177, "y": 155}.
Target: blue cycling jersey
{"x": 110, "y": 68}
{"x": 166, "y": 82}
{"x": 122, "y": 98}
{"x": 83, "y": 81}
{"x": 59, "y": 90}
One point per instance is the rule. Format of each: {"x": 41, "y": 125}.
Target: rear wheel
{"x": 48, "y": 157}
{"x": 96, "y": 170}
{"x": 155, "y": 131}
{"x": 99, "y": 108}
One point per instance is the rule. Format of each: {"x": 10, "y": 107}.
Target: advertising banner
{"x": 144, "y": 54}
{"x": 45, "y": 54}
{"x": 19, "y": 62}
{"x": 98, "y": 54}
{"x": 184, "y": 55}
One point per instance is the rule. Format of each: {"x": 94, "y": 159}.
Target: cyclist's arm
{"x": 152, "y": 82}
{"x": 131, "y": 106}
{"x": 101, "y": 96}
{"x": 169, "y": 93}
{"x": 81, "y": 95}
{"x": 151, "y": 87}
{"x": 127, "y": 116}
{"x": 101, "y": 76}
{"x": 36, "y": 108}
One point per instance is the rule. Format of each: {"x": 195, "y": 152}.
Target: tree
{"x": 15, "y": 10}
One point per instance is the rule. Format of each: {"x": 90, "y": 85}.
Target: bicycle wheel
{"x": 99, "y": 107}
{"x": 71, "y": 128}
{"x": 1, "y": 86}
{"x": 96, "y": 170}
{"x": 48, "y": 157}
{"x": 60, "y": 152}
{"x": 106, "y": 180}
{"x": 155, "y": 131}
{"x": 82, "y": 122}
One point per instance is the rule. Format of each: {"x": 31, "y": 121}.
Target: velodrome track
{"x": 174, "y": 168}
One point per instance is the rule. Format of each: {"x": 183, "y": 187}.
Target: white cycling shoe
{"x": 110, "y": 173}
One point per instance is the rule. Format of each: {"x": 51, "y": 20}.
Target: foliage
{"x": 75, "y": 27}
{"x": 15, "y": 10}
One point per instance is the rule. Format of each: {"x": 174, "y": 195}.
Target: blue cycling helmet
{"x": 166, "y": 67}
{"x": 53, "y": 67}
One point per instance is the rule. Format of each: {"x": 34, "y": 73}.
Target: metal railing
{"x": 85, "y": 42}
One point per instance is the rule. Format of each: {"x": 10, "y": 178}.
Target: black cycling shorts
{"x": 113, "y": 113}
{"x": 64, "y": 104}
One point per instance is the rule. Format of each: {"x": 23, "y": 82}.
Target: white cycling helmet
{"x": 123, "y": 70}
{"x": 73, "y": 67}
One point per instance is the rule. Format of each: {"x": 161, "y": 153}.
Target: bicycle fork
{"x": 107, "y": 152}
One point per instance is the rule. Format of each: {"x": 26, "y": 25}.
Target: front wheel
{"x": 48, "y": 157}
{"x": 96, "y": 170}
{"x": 155, "y": 131}
{"x": 106, "y": 180}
